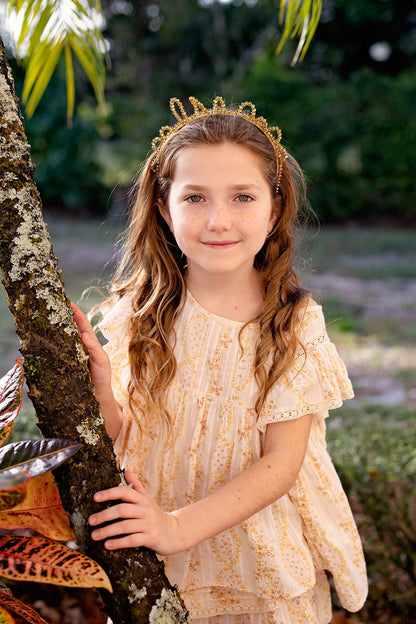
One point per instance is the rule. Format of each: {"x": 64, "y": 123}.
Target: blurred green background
{"x": 347, "y": 112}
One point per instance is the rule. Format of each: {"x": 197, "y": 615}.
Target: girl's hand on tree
{"x": 100, "y": 370}
{"x": 99, "y": 363}
{"x": 137, "y": 521}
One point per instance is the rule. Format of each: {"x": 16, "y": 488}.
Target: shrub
{"x": 374, "y": 452}
{"x": 351, "y": 136}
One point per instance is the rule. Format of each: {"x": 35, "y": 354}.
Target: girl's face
{"x": 219, "y": 208}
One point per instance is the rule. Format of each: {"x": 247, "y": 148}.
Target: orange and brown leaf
{"x": 41, "y": 511}
{"x": 40, "y": 559}
{"x": 15, "y": 605}
{"x": 13, "y": 491}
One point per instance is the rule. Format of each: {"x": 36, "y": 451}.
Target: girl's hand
{"x": 99, "y": 363}
{"x": 100, "y": 370}
{"x": 138, "y": 520}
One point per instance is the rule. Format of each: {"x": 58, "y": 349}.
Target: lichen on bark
{"x": 58, "y": 378}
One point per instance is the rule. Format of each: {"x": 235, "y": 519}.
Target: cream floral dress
{"x": 270, "y": 568}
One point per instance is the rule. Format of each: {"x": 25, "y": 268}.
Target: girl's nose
{"x": 219, "y": 218}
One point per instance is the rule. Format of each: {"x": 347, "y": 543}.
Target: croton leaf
{"x": 43, "y": 560}
{"x": 4, "y": 434}
{"x": 15, "y": 605}
{"x": 11, "y": 394}
{"x": 41, "y": 510}
{"x": 6, "y": 617}
{"x": 35, "y": 456}
{"x": 12, "y": 490}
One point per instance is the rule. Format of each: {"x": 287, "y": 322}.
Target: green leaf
{"x": 46, "y": 32}
{"x": 94, "y": 71}
{"x": 300, "y": 18}
{"x": 34, "y": 64}
{"x": 70, "y": 83}
{"x": 35, "y": 456}
{"x": 30, "y": 10}
{"x": 43, "y": 79}
{"x": 11, "y": 394}
{"x": 37, "y": 32}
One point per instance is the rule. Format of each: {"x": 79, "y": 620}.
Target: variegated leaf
{"x": 11, "y": 394}
{"x": 35, "y": 456}
{"x": 5, "y": 432}
{"x": 40, "y": 559}
{"x": 12, "y": 490}
{"x": 6, "y": 617}
{"x": 41, "y": 511}
{"x": 15, "y": 605}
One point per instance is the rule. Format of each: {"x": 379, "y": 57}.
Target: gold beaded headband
{"x": 246, "y": 110}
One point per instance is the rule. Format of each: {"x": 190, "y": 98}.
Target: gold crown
{"x": 246, "y": 110}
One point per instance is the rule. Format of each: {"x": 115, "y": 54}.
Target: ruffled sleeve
{"x": 317, "y": 380}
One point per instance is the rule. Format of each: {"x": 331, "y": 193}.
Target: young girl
{"x": 222, "y": 377}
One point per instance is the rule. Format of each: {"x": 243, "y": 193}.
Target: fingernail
{"x": 109, "y": 545}
{"x": 92, "y": 520}
{"x": 98, "y": 496}
{"x": 95, "y": 535}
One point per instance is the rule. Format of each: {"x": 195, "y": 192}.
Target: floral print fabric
{"x": 276, "y": 556}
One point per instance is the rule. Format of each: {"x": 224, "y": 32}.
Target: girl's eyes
{"x": 194, "y": 199}
{"x": 243, "y": 198}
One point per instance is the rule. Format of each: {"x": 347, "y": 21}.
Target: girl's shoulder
{"x": 311, "y": 322}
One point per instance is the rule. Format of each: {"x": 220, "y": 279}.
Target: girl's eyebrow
{"x": 244, "y": 186}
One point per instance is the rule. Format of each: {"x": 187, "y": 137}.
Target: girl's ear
{"x": 275, "y": 215}
{"x": 164, "y": 211}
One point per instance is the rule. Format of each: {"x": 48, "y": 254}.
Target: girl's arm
{"x": 143, "y": 523}
{"x": 100, "y": 369}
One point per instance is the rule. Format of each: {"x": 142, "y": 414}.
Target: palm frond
{"x": 300, "y": 18}
{"x": 50, "y": 28}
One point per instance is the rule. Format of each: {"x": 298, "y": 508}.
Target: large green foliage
{"x": 68, "y": 172}
{"x": 49, "y": 30}
{"x": 352, "y": 137}
{"x": 347, "y": 117}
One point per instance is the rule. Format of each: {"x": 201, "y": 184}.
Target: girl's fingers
{"x": 134, "y": 481}
{"x": 135, "y": 540}
{"x": 128, "y": 509}
{"x": 81, "y": 320}
{"x": 126, "y": 494}
{"x": 124, "y": 527}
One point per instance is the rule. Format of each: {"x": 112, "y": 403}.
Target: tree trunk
{"x": 58, "y": 378}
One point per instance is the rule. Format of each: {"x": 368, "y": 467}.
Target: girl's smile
{"x": 220, "y": 209}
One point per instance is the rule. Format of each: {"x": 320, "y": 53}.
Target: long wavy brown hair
{"x": 152, "y": 268}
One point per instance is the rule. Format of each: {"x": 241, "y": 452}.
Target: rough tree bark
{"x": 58, "y": 378}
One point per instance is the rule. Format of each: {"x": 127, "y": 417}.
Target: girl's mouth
{"x": 219, "y": 244}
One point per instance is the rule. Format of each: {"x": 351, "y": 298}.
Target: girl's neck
{"x": 230, "y": 298}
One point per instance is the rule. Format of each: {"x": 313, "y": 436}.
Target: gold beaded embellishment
{"x": 246, "y": 110}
